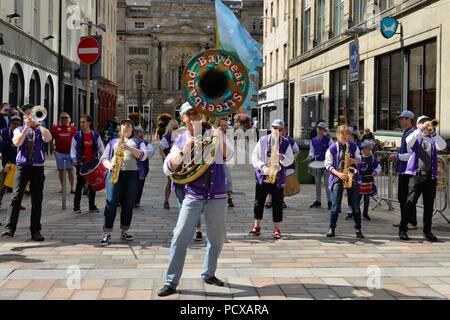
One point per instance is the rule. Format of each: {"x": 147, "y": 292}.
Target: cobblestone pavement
{"x": 303, "y": 265}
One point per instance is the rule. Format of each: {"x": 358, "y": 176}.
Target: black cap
{"x": 27, "y": 106}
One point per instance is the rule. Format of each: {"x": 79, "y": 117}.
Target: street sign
{"x": 89, "y": 50}
{"x": 354, "y": 61}
{"x": 388, "y": 27}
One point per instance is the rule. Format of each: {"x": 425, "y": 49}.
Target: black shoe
{"x": 214, "y": 282}
{"x": 349, "y": 217}
{"x": 396, "y": 225}
{"x": 330, "y": 204}
{"x": 230, "y": 203}
{"x": 316, "y": 204}
{"x": 166, "y": 291}
{"x": 36, "y": 236}
{"x": 8, "y": 233}
{"x": 126, "y": 237}
{"x": 77, "y": 210}
{"x": 331, "y": 233}
{"x": 359, "y": 234}
{"x": 94, "y": 209}
{"x": 198, "y": 236}
{"x": 403, "y": 236}
{"x": 367, "y": 218}
{"x": 166, "y": 205}
{"x": 430, "y": 237}
{"x": 106, "y": 241}
{"x": 284, "y": 205}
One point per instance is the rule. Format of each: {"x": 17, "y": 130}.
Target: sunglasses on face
{"x": 64, "y": 118}
{"x": 192, "y": 113}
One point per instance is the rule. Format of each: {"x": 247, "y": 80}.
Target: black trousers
{"x": 277, "y": 201}
{"x": 36, "y": 177}
{"x": 425, "y": 186}
{"x": 403, "y": 191}
{"x": 140, "y": 190}
{"x": 81, "y": 182}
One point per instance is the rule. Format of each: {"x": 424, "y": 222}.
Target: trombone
{"x": 38, "y": 113}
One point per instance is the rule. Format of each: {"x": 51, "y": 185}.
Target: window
{"x": 359, "y": 9}
{"x": 295, "y": 37}
{"x": 271, "y": 67}
{"x": 261, "y": 25}
{"x": 139, "y": 79}
{"x": 36, "y": 19}
{"x": 139, "y": 25}
{"x": 180, "y": 73}
{"x": 277, "y": 17}
{"x": 272, "y": 17}
{"x": 254, "y": 25}
{"x": 338, "y": 16}
{"x": 422, "y": 79}
{"x": 50, "y": 20}
{"x": 174, "y": 79}
{"x": 343, "y": 99}
{"x": 385, "y": 4}
{"x": 133, "y": 109}
{"x": 320, "y": 21}
{"x": 406, "y": 79}
{"x": 276, "y": 64}
{"x": 285, "y": 58}
{"x": 35, "y": 89}
{"x": 389, "y": 90}
{"x": 306, "y": 25}
{"x": 139, "y": 51}
{"x": 18, "y": 8}
{"x": 266, "y": 16}
{"x": 265, "y": 69}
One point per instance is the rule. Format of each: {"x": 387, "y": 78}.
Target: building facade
{"x": 155, "y": 42}
{"x": 29, "y": 56}
{"x": 408, "y": 71}
{"x": 272, "y": 100}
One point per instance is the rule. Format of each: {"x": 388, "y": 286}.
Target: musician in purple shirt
{"x": 207, "y": 195}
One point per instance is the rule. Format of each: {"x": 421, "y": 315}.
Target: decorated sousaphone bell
{"x": 216, "y": 84}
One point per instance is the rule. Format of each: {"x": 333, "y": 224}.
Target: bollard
{"x": 390, "y": 186}
{"x": 64, "y": 186}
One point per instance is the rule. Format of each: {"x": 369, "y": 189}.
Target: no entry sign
{"x": 88, "y": 50}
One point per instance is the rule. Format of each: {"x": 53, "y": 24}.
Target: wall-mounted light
{"x": 2, "y": 42}
{"x": 13, "y": 16}
{"x": 49, "y": 38}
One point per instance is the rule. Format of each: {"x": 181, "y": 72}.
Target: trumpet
{"x": 432, "y": 124}
{"x": 38, "y": 113}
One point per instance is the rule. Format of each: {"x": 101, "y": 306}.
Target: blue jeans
{"x": 190, "y": 213}
{"x": 124, "y": 191}
{"x": 353, "y": 197}
{"x": 366, "y": 203}
{"x": 61, "y": 158}
{"x": 180, "y": 193}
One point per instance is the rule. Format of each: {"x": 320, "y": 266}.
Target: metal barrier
{"x": 387, "y": 184}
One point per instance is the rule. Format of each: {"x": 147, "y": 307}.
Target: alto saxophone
{"x": 118, "y": 155}
{"x": 274, "y": 163}
{"x": 348, "y": 169}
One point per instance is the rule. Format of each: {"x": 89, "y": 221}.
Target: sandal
{"x": 276, "y": 234}
{"x": 268, "y": 205}
{"x": 256, "y": 231}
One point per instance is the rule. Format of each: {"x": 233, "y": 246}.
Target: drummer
{"x": 368, "y": 168}
{"x": 317, "y": 150}
{"x": 83, "y": 151}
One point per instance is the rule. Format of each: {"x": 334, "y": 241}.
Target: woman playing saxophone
{"x": 341, "y": 160}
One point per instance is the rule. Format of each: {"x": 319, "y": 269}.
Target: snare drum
{"x": 316, "y": 168}
{"x": 365, "y": 188}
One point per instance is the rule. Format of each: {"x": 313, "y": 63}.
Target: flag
{"x": 235, "y": 39}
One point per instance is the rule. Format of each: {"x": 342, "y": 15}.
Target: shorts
{"x": 60, "y": 158}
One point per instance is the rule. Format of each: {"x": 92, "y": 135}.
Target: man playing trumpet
{"x": 206, "y": 195}
{"x": 423, "y": 144}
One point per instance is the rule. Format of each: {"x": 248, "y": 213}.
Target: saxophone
{"x": 274, "y": 163}
{"x": 118, "y": 154}
{"x": 348, "y": 169}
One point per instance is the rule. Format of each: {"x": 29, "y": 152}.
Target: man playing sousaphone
{"x": 423, "y": 144}
{"x": 317, "y": 149}
{"x": 87, "y": 145}
{"x": 206, "y": 195}
{"x": 271, "y": 156}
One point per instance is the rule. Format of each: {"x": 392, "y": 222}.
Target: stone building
{"x": 155, "y": 42}
{"x": 407, "y": 71}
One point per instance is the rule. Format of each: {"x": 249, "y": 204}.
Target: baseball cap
{"x": 322, "y": 125}
{"x": 406, "y": 114}
{"x": 367, "y": 144}
{"x": 139, "y": 128}
{"x": 278, "y": 123}
{"x": 422, "y": 118}
{"x": 16, "y": 118}
{"x": 185, "y": 108}
{"x": 27, "y": 106}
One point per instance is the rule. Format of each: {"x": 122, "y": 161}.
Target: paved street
{"x": 304, "y": 265}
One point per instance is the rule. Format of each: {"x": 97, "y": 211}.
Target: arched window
{"x": 49, "y": 100}
{"x": 35, "y": 89}
{"x": 16, "y": 86}
{"x": 1, "y": 85}
{"x": 139, "y": 77}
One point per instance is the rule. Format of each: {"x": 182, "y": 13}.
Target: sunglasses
{"x": 192, "y": 113}
{"x": 64, "y": 118}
